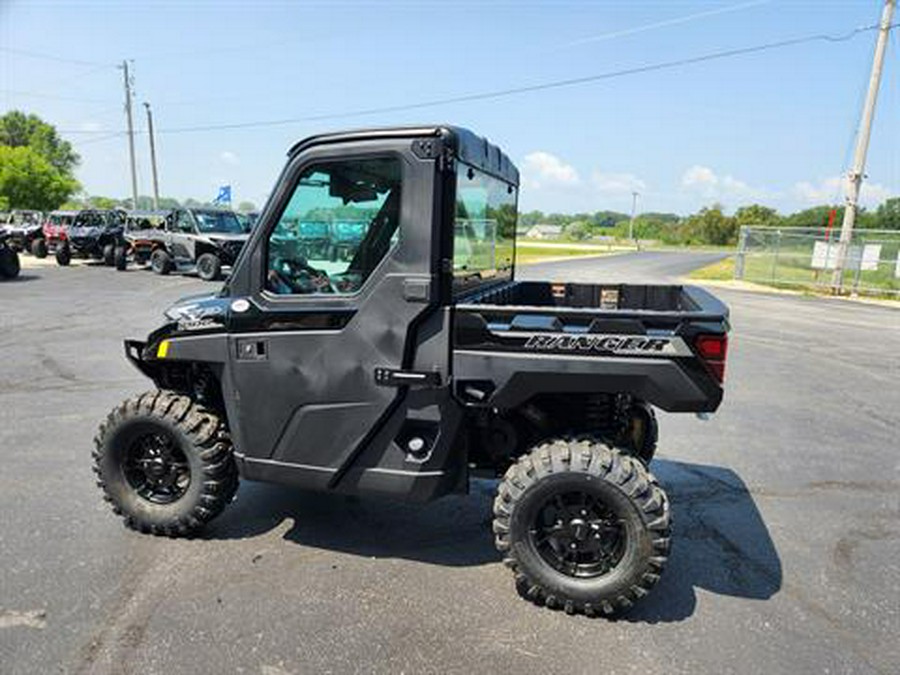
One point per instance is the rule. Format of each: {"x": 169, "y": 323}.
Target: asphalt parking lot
{"x": 786, "y": 507}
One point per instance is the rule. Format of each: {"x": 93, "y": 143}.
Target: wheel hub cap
{"x": 578, "y": 534}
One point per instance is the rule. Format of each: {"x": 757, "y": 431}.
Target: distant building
{"x": 544, "y": 232}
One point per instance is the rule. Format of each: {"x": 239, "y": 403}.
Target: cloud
{"x": 617, "y": 183}
{"x": 699, "y": 175}
{"x": 229, "y": 158}
{"x": 543, "y": 169}
{"x": 703, "y": 181}
{"x": 833, "y": 190}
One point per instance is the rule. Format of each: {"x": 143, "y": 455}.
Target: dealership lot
{"x": 785, "y": 503}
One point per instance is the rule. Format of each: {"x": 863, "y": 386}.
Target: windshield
{"x": 89, "y": 219}
{"x": 25, "y": 217}
{"x": 350, "y": 231}
{"x": 313, "y": 230}
{"x": 60, "y": 219}
{"x": 223, "y": 222}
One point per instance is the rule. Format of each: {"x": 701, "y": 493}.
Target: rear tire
{"x": 161, "y": 262}
{"x": 39, "y": 248}
{"x": 9, "y": 263}
{"x": 582, "y": 527}
{"x": 209, "y": 267}
{"x": 172, "y": 486}
{"x": 109, "y": 255}
{"x": 63, "y": 255}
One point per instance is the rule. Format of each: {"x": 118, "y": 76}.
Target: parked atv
{"x": 417, "y": 364}
{"x": 56, "y": 228}
{"x": 204, "y": 241}
{"x": 24, "y": 230}
{"x": 95, "y": 234}
{"x": 345, "y": 239}
{"x": 9, "y": 258}
{"x": 143, "y": 233}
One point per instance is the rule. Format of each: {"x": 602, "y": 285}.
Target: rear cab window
{"x": 484, "y": 229}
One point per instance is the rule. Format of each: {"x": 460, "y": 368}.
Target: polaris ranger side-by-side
{"x": 94, "y": 233}
{"x": 201, "y": 240}
{"x": 419, "y": 361}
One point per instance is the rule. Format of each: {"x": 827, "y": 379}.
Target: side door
{"x": 311, "y": 350}
{"x": 181, "y": 242}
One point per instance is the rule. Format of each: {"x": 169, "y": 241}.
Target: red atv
{"x": 56, "y": 229}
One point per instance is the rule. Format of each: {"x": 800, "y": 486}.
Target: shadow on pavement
{"x": 721, "y": 543}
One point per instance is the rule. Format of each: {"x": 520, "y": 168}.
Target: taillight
{"x": 712, "y": 350}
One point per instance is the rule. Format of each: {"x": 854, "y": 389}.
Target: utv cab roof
{"x": 467, "y": 146}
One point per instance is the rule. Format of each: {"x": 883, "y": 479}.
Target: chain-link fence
{"x": 806, "y": 257}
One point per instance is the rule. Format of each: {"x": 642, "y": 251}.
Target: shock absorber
{"x": 599, "y": 413}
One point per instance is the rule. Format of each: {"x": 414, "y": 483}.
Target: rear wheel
{"x": 39, "y": 248}
{"x": 9, "y": 263}
{"x": 165, "y": 463}
{"x": 209, "y": 267}
{"x": 583, "y": 527}
{"x": 63, "y": 254}
{"x": 161, "y": 262}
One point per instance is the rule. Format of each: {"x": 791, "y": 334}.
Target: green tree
{"x": 246, "y": 206}
{"x": 577, "y": 230}
{"x": 19, "y": 130}
{"x": 888, "y": 214}
{"x": 29, "y": 181}
{"x": 756, "y": 215}
{"x": 710, "y": 226}
{"x": 99, "y": 202}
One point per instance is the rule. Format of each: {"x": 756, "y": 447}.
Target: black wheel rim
{"x": 579, "y": 535}
{"x": 156, "y": 468}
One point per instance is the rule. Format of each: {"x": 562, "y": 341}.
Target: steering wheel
{"x": 300, "y": 277}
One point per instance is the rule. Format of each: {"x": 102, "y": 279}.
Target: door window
{"x": 184, "y": 224}
{"x": 341, "y": 221}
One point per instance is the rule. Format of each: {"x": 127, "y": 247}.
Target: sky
{"x": 773, "y": 127}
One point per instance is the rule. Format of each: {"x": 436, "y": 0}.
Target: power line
{"x": 555, "y": 84}
{"x": 37, "y": 94}
{"x": 662, "y": 24}
{"x": 50, "y": 57}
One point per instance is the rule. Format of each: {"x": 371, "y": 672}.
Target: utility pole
{"x": 153, "y": 157}
{"x": 634, "y": 196}
{"x": 134, "y": 190}
{"x": 855, "y": 177}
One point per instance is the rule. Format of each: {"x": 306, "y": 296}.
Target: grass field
{"x": 793, "y": 271}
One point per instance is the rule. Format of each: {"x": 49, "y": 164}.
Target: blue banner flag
{"x": 224, "y": 196}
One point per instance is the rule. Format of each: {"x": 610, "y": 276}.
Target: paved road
{"x": 785, "y": 556}
{"x": 643, "y": 267}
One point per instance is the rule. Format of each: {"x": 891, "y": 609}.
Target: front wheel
{"x": 39, "y": 248}
{"x": 121, "y": 258}
{"x": 9, "y": 263}
{"x": 109, "y": 255}
{"x": 165, "y": 463}
{"x": 582, "y": 527}
{"x": 209, "y": 267}
{"x": 161, "y": 262}
{"x": 63, "y": 255}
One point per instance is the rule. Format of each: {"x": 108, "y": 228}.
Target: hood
{"x": 199, "y": 312}
{"x": 214, "y": 236}
{"x": 92, "y": 231}
{"x": 23, "y": 229}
